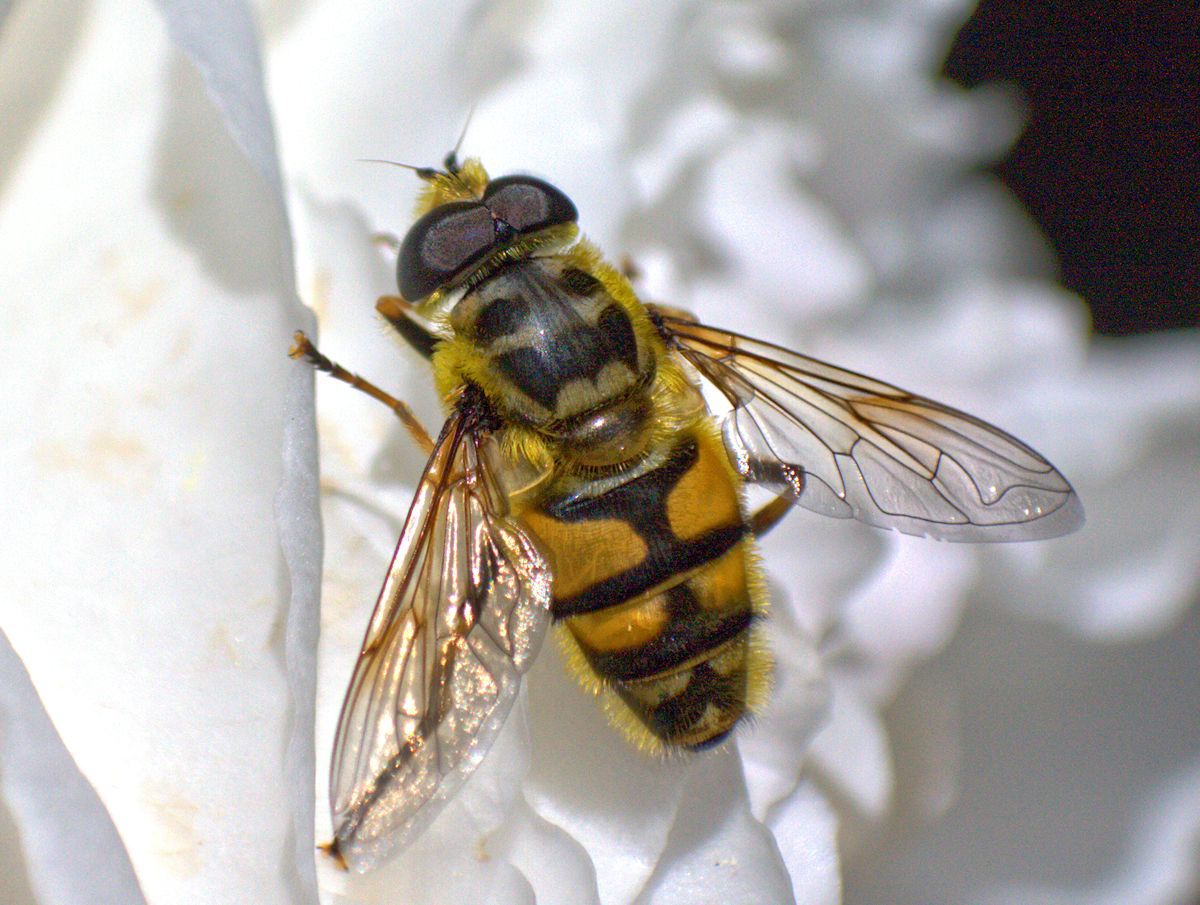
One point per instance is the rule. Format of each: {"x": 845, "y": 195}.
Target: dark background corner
{"x": 1109, "y": 163}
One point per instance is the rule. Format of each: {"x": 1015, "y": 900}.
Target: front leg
{"x": 303, "y": 348}
{"x": 401, "y": 315}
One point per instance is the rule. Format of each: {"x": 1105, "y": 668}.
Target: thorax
{"x": 559, "y": 353}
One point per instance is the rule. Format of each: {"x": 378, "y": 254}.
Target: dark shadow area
{"x": 212, "y": 197}
{"x": 1109, "y": 163}
{"x": 14, "y": 881}
{"x": 37, "y": 41}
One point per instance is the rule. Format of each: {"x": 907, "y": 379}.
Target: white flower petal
{"x": 851, "y": 751}
{"x": 909, "y": 607}
{"x": 152, "y": 307}
{"x": 557, "y": 867}
{"x": 222, "y": 39}
{"x": 1077, "y": 772}
{"x": 617, "y": 803}
{"x": 782, "y": 248}
{"x": 805, "y": 828}
{"x": 1158, "y": 864}
{"x": 72, "y": 850}
{"x": 1130, "y": 437}
{"x": 717, "y": 851}
{"x": 773, "y": 747}
{"x": 384, "y": 82}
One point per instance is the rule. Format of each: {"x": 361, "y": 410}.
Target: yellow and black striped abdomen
{"x": 654, "y": 579}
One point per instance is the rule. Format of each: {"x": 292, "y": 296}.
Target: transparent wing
{"x": 462, "y": 613}
{"x": 848, "y": 446}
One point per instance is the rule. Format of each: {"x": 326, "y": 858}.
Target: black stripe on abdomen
{"x": 642, "y": 504}
{"x": 667, "y": 557}
{"x": 691, "y": 632}
{"x": 706, "y": 688}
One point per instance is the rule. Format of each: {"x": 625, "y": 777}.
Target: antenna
{"x": 429, "y": 173}
{"x": 451, "y": 161}
{"x": 426, "y": 173}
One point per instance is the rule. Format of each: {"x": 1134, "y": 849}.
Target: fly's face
{"x": 471, "y": 224}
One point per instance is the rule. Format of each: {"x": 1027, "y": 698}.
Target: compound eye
{"x": 527, "y": 204}
{"x": 441, "y": 244}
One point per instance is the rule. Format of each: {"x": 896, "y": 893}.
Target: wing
{"x": 845, "y": 445}
{"x": 462, "y": 613}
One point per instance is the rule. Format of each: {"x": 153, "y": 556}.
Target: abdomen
{"x": 654, "y": 580}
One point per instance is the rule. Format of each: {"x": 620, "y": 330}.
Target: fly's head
{"x": 469, "y": 224}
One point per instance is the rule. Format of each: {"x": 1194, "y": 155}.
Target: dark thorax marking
{"x": 545, "y": 329}
{"x": 642, "y": 504}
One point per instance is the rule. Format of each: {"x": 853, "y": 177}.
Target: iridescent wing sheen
{"x": 462, "y": 612}
{"x": 848, "y": 446}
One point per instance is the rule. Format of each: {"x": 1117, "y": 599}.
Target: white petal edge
{"x": 73, "y": 854}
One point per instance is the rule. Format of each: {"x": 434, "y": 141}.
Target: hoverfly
{"x": 581, "y": 478}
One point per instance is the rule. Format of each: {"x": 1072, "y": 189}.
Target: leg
{"x": 770, "y": 515}
{"x": 400, "y": 315}
{"x": 303, "y": 348}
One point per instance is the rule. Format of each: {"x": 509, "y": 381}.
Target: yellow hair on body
{"x": 467, "y": 184}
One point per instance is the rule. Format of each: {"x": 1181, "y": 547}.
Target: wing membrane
{"x": 460, "y": 617}
{"x": 849, "y": 446}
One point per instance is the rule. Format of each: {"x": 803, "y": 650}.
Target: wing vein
{"x": 844, "y": 444}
